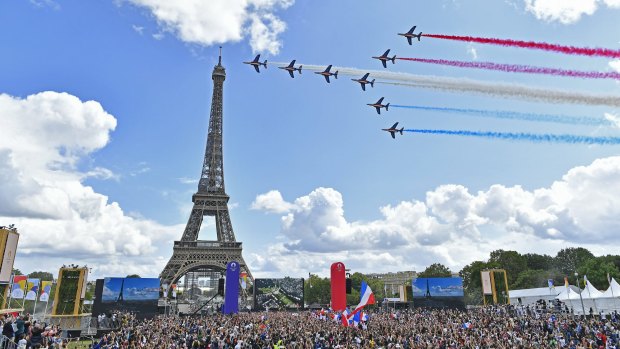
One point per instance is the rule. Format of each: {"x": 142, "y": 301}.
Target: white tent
{"x": 592, "y": 299}
{"x": 609, "y": 300}
{"x": 532, "y": 295}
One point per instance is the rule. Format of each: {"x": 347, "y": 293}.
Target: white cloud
{"x": 566, "y": 11}
{"x": 615, "y": 65}
{"x": 45, "y": 137}
{"x": 271, "y": 201}
{"x": 452, "y": 225}
{"x": 219, "y": 21}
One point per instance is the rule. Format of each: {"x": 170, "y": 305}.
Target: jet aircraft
{"x": 384, "y": 57}
{"x": 364, "y": 80}
{"x": 256, "y": 64}
{"x": 326, "y": 73}
{"x": 291, "y": 68}
{"x": 409, "y": 35}
{"x": 379, "y": 105}
{"x": 392, "y": 130}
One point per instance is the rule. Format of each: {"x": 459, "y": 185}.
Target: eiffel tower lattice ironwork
{"x": 190, "y": 254}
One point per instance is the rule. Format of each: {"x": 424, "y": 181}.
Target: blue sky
{"x": 311, "y": 176}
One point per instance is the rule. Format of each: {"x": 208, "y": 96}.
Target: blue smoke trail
{"x": 532, "y": 137}
{"x": 512, "y": 115}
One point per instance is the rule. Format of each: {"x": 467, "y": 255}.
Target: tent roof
{"x": 590, "y": 291}
{"x": 537, "y": 292}
{"x": 612, "y": 291}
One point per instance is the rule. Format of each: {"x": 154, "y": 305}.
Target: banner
{"x": 486, "y": 282}
{"x": 165, "y": 289}
{"x": 244, "y": 280}
{"x": 231, "y": 292}
{"x": 46, "y": 288}
{"x": 8, "y": 257}
{"x": 19, "y": 285}
{"x": 174, "y": 290}
{"x": 33, "y": 289}
{"x": 339, "y": 287}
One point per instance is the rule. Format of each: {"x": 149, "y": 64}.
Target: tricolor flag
{"x": 46, "y": 288}
{"x": 367, "y": 297}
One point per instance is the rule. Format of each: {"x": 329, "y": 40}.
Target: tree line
{"x": 528, "y": 270}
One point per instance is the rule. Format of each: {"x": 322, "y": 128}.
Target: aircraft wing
{"x": 292, "y": 64}
{"x": 363, "y": 87}
{"x": 257, "y": 58}
{"x": 380, "y": 100}
{"x": 378, "y": 110}
{"x": 409, "y": 39}
{"x": 326, "y": 78}
{"x": 384, "y": 66}
{"x": 328, "y": 68}
{"x": 291, "y": 73}
{"x": 394, "y": 126}
{"x": 386, "y": 53}
{"x": 365, "y": 76}
{"x": 393, "y": 135}
{"x": 257, "y": 70}
{"x": 411, "y": 30}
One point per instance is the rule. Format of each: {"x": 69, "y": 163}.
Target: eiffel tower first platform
{"x": 191, "y": 255}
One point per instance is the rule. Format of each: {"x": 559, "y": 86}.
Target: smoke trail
{"x": 519, "y": 68}
{"x": 570, "y": 50}
{"x": 532, "y": 137}
{"x": 473, "y": 86}
{"x": 512, "y": 115}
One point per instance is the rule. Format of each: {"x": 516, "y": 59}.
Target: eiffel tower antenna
{"x": 190, "y": 254}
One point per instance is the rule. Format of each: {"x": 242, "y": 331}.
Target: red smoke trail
{"x": 518, "y": 68}
{"x": 569, "y": 50}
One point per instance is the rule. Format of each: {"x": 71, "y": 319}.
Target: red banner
{"x": 339, "y": 288}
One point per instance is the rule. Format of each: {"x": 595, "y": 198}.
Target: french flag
{"x": 344, "y": 318}
{"x": 367, "y": 297}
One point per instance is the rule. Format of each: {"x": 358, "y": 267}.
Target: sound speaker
{"x": 220, "y": 286}
{"x": 348, "y": 283}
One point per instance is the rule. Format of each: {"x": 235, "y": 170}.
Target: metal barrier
{"x": 7, "y": 343}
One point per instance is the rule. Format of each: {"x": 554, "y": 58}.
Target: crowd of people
{"x": 489, "y": 327}
{"x": 486, "y": 327}
{"x": 22, "y": 333}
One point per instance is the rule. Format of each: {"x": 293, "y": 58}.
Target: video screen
{"x": 438, "y": 292}
{"x": 282, "y": 294}
{"x": 137, "y": 295}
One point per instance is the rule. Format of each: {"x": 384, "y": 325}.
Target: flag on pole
{"x": 367, "y": 297}
{"x": 585, "y": 281}
{"x": 46, "y": 288}
{"x": 19, "y": 285}
{"x": 33, "y": 289}
{"x": 550, "y": 282}
{"x": 566, "y": 282}
{"x": 244, "y": 280}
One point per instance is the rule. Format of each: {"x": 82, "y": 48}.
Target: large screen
{"x": 286, "y": 293}
{"x": 438, "y": 292}
{"x": 137, "y": 295}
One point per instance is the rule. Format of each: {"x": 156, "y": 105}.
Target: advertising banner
{"x": 485, "y": 276}
{"x": 231, "y": 292}
{"x": 33, "y": 289}
{"x": 8, "y": 258}
{"x": 339, "y": 287}
{"x": 19, "y": 286}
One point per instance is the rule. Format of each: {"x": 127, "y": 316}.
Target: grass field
{"x": 83, "y": 344}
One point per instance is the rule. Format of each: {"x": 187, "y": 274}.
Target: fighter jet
{"x": 392, "y": 130}
{"x": 378, "y": 105}
{"x": 291, "y": 68}
{"x": 326, "y": 73}
{"x": 384, "y": 57}
{"x": 364, "y": 80}
{"x": 256, "y": 64}
{"x": 410, "y": 35}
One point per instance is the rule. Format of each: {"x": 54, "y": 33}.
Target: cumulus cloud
{"x": 566, "y": 11}
{"x": 219, "y": 21}
{"x": 271, "y": 201}
{"x": 615, "y": 65}
{"x": 45, "y": 137}
{"x": 452, "y": 225}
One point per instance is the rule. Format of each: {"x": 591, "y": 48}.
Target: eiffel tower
{"x": 190, "y": 254}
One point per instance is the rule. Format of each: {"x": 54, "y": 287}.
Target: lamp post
{"x": 580, "y": 296}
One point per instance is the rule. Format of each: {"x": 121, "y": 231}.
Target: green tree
{"x": 568, "y": 260}
{"x": 597, "y": 269}
{"x": 512, "y": 261}
{"x": 132, "y": 276}
{"x": 533, "y": 278}
{"x": 538, "y": 261}
{"x": 317, "y": 290}
{"x": 43, "y": 275}
{"x": 17, "y": 272}
{"x": 435, "y": 270}
{"x": 472, "y": 284}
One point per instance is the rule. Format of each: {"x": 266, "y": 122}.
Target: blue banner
{"x": 231, "y": 299}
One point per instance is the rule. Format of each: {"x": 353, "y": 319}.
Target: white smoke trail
{"x": 474, "y": 86}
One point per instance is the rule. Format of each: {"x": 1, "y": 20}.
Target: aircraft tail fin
{"x": 387, "y": 106}
{"x": 419, "y": 36}
{"x": 336, "y": 74}
{"x": 300, "y": 69}
{"x": 372, "y": 83}
{"x": 265, "y": 64}
{"x": 394, "y": 59}
{"x": 401, "y": 130}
